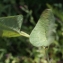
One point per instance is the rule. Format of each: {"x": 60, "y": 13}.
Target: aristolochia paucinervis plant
{"x": 41, "y": 35}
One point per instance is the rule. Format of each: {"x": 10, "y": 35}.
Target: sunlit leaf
{"x": 43, "y": 33}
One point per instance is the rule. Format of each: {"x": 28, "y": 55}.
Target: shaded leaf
{"x": 10, "y": 26}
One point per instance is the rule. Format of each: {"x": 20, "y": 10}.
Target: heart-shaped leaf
{"x": 10, "y": 26}
{"x": 43, "y": 33}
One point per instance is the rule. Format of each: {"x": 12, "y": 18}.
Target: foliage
{"x": 42, "y": 35}
{"x": 18, "y": 49}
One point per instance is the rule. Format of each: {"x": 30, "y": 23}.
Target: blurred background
{"x": 19, "y": 50}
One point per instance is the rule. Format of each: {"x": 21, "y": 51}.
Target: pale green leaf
{"x": 43, "y": 33}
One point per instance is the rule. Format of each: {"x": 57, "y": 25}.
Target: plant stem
{"x": 47, "y": 56}
{"x": 24, "y": 34}
{"x": 43, "y": 55}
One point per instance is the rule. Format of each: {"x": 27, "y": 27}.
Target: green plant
{"x": 41, "y": 36}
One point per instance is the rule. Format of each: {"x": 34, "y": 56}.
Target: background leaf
{"x": 10, "y": 26}
{"x": 43, "y": 33}
{"x": 57, "y": 12}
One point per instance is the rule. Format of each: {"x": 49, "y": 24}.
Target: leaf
{"x": 43, "y": 33}
{"x": 10, "y": 26}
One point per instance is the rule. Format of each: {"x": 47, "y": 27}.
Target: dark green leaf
{"x": 10, "y": 26}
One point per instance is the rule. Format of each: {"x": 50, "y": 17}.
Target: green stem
{"x": 47, "y": 56}
{"x": 24, "y": 34}
{"x": 43, "y": 53}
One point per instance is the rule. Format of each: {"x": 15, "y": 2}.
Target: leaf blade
{"x": 10, "y": 26}
{"x": 41, "y": 35}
